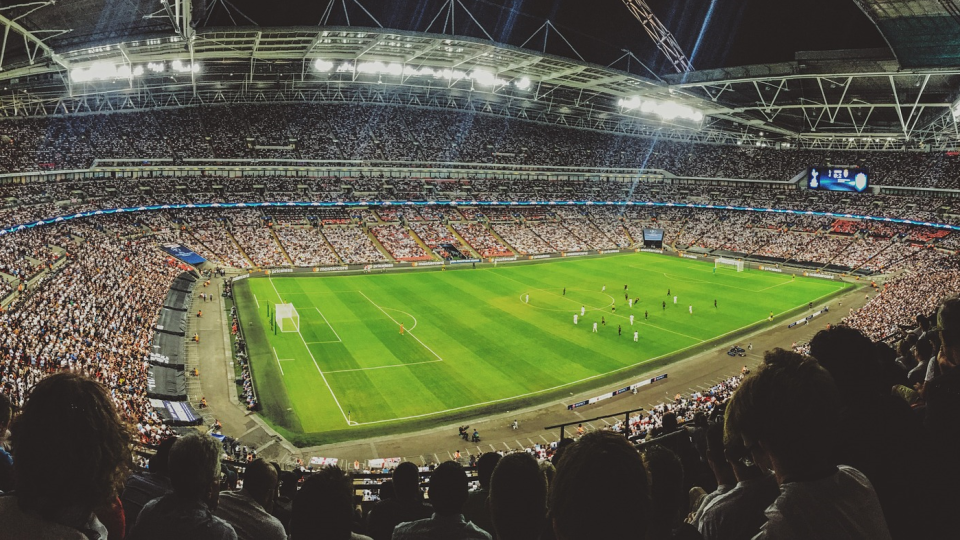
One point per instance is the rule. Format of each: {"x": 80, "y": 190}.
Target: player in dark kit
{"x": 619, "y": 330}
{"x": 646, "y": 314}
{"x": 664, "y": 305}
{"x": 714, "y": 302}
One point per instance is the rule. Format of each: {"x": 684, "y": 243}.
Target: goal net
{"x": 723, "y": 262}
{"x": 288, "y": 320}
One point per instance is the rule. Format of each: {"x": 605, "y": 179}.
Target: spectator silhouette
{"x": 476, "y": 508}
{"x": 584, "y": 489}
{"x": 323, "y": 508}
{"x": 142, "y": 488}
{"x": 448, "y": 494}
{"x": 785, "y": 414}
{"x": 58, "y": 493}
{"x": 187, "y": 512}
{"x": 518, "y": 498}
{"x": 247, "y": 510}
{"x": 405, "y": 505}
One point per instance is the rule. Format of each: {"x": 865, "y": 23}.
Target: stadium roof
{"x": 90, "y": 55}
{"x": 921, "y": 33}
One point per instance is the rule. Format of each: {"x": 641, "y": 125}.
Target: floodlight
{"x": 322, "y": 65}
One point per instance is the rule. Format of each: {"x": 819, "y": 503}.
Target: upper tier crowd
{"x": 338, "y": 131}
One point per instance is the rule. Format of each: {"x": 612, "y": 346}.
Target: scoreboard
{"x": 838, "y": 179}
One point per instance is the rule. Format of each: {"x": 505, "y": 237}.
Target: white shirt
{"x": 842, "y": 506}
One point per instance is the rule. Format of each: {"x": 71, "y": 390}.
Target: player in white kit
{"x": 631, "y": 320}
{"x": 594, "y": 327}
{"x": 575, "y": 318}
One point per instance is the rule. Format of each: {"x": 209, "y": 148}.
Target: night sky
{"x": 713, "y": 33}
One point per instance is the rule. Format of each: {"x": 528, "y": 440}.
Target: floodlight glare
{"x": 322, "y": 65}
{"x": 523, "y": 83}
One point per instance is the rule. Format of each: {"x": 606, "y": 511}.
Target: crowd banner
{"x": 183, "y": 253}
{"x": 176, "y": 413}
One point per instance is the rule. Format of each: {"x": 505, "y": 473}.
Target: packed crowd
{"x": 338, "y": 131}
{"x": 799, "y": 448}
{"x": 396, "y": 240}
{"x": 94, "y": 316}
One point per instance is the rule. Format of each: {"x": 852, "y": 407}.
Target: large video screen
{"x": 653, "y": 235}
{"x": 838, "y": 179}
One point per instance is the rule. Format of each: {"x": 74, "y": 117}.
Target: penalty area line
{"x": 320, "y": 371}
{"x": 384, "y": 367}
{"x": 330, "y": 325}
{"x": 398, "y": 324}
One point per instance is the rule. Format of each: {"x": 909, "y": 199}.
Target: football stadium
{"x": 474, "y": 269}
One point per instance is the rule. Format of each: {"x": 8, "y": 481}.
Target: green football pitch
{"x": 488, "y": 338}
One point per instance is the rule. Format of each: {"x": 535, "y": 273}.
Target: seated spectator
{"x": 6, "y": 461}
{"x": 738, "y": 513}
{"x": 59, "y": 494}
{"x": 868, "y": 409}
{"x": 247, "y": 510}
{"x": 143, "y": 487}
{"x": 722, "y": 471}
{"x": 785, "y": 414}
{"x": 669, "y": 500}
{"x": 448, "y": 494}
{"x": 283, "y": 507}
{"x": 405, "y": 505}
{"x": 942, "y": 392}
{"x": 518, "y": 498}
{"x": 323, "y": 508}
{"x": 187, "y": 512}
{"x": 585, "y": 494}
{"x": 476, "y": 508}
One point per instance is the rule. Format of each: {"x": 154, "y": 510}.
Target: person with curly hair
{"x": 58, "y": 493}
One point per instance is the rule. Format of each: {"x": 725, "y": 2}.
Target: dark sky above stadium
{"x": 713, "y": 33}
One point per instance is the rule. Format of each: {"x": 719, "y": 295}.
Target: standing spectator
{"x": 187, "y": 512}
{"x": 448, "y": 494}
{"x": 584, "y": 489}
{"x": 518, "y": 498}
{"x": 6, "y": 461}
{"x": 476, "y": 508}
{"x": 738, "y": 514}
{"x": 406, "y": 505}
{"x": 143, "y": 487}
{"x": 58, "y": 493}
{"x": 247, "y": 510}
{"x": 785, "y": 414}
{"x": 323, "y": 508}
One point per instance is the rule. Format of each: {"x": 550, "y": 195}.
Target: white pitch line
{"x": 398, "y": 324}
{"x": 278, "y": 361}
{"x": 257, "y": 301}
{"x": 328, "y": 324}
{"x": 383, "y": 367}
{"x": 320, "y": 371}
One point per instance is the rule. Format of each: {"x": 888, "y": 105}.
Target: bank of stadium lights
{"x": 108, "y": 71}
{"x": 667, "y": 110}
{"x": 480, "y": 76}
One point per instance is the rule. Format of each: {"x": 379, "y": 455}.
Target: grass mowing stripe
{"x": 345, "y": 418}
{"x": 496, "y": 348}
{"x": 398, "y": 324}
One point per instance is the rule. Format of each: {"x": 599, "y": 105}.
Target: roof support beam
{"x": 30, "y": 38}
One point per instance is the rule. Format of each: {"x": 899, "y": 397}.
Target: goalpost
{"x": 288, "y": 320}
{"x": 721, "y": 262}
